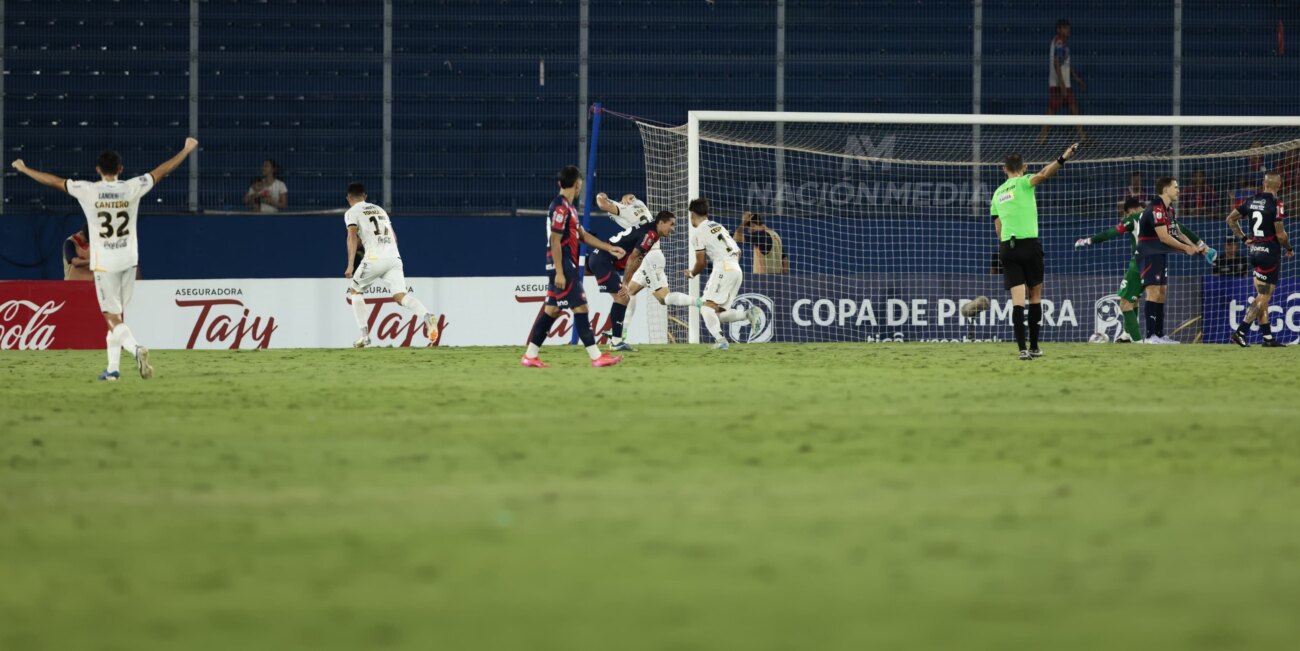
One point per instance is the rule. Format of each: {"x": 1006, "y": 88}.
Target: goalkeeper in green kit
{"x": 1130, "y": 289}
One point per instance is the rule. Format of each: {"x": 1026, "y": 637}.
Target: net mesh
{"x": 886, "y": 232}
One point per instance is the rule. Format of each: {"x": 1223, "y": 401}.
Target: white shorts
{"x": 114, "y": 289}
{"x": 651, "y": 272}
{"x": 387, "y": 269}
{"x": 723, "y": 285}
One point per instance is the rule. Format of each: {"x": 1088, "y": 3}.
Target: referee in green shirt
{"x": 1015, "y": 216}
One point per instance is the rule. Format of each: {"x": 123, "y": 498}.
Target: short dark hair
{"x": 1164, "y": 182}
{"x": 664, "y": 215}
{"x": 700, "y": 206}
{"x": 568, "y": 175}
{"x": 1132, "y": 202}
{"x": 109, "y": 162}
{"x": 1013, "y": 163}
{"x": 1062, "y": 23}
{"x": 356, "y": 190}
{"x": 756, "y": 219}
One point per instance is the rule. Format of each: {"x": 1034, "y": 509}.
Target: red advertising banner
{"x": 50, "y": 314}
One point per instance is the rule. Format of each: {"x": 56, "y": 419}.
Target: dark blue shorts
{"x": 1154, "y": 269}
{"x": 572, "y": 295}
{"x": 1266, "y": 261}
{"x": 604, "y": 268}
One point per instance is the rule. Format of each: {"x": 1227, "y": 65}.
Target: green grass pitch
{"x": 801, "y": 497}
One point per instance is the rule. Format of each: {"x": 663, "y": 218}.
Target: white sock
{"x": 627, "y": 318}
{"x": 731, "y": 316}
{"x": 713, "y": 324}
{"x": 678, "y": 298}
{"x": 359, "y": 311}
{"x": 114, "y": 351}
{"x": 126, "y": 339}
{"x": 413, "y": 304}
{"x": 533, "y": 351}
{"x": 593, "y": 352}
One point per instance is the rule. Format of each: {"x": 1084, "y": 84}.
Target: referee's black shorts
{"x": 1022, "y": 264}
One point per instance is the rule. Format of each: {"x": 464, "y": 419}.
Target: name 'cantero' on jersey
{"x": 112, "y": 204}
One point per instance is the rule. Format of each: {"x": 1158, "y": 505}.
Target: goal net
{"x": 876, "y": 228}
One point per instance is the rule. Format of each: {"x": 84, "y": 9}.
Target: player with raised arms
{"x": 564, "y": 291}
{"x": 1015, "y": 219}
{"x": 1267, "y": 239}
{"x": 370, "y": 230}
{"x": 712, "y": 240}
{"x": 112, "y": 206}
{"x": 1155, "y": 242}
{"x": 1131, "y": 287}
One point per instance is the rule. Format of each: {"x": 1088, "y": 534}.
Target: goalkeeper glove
{"x": 1082, "y": 242}
{"x": 1210, "y": 254}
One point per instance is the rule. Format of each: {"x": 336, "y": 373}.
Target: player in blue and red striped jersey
{"x": 1265, "y": 242}
{"x": 619, "y": 276}
{"x": 565, "y": 289}
{"x": 1157, "y": 237}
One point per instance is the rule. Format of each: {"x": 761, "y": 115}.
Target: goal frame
{"x": 974, "y": 120}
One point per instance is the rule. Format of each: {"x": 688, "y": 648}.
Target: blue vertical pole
{"x": 586, "y": 187}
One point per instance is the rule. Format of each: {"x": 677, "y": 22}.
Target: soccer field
{"x": 772, "y": 497}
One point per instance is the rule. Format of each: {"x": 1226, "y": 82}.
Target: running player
{"x": 1265, "y": 242}
{"x": 370, "y": 229}
{"x": 112, "y": 207}
{"x": 1131, "y": 287}
{"x": 710, "y": 239}
{"x": 565, "y": 289}
{"x": 1015, "y": 219}
{"x": 1155, "y": 242}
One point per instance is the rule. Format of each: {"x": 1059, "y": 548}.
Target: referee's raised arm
{"x": 1049, "y": 170}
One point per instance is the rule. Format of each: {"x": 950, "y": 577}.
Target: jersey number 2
{"x": 1259, "y": 222}
{"x": 106, "y": 228}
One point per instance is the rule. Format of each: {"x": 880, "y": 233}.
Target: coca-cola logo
{"x": 23, "y": 324}
{"x": 398, "y": 327}
{"x": 228, "y": 322}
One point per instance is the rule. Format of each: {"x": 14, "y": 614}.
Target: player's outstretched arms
{"x": 43, "y": 178}
{"x": 1051, "y": 169}
{"x": 159, "y": 173}
{"x": 603, "y": 202}
{"x": 597, "y": 243}
{"x": 1082, "y": 242}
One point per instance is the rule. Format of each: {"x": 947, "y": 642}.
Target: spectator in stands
{"x": 1135, "y": 190}
{"x": 1246, "y": 189}
{"x": 1230, "y": 262}
{"x": 769, "y": 253}
{"x": 1059, "y": 78}
{"x": 1199, "y": 199}
{"x": 1257, "y": 165}
{"x": 1289, "y": 168}
{"x": 267, "y": 193}
{"x": 76, "y": 256}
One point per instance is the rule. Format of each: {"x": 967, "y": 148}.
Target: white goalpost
{"x": 883, "y": 219}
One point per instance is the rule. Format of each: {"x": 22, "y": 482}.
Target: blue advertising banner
{"x": 1225, "y": 301}
{"x": 938, "y": 308}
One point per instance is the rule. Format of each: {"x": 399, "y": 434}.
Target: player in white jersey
{"x": 112, "y": 206}
{"x": 630, "y": 213}
{"x": 712, "y": 240}
{"x": 369, "y": 227}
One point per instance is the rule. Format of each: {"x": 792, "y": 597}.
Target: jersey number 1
{"x": 375, "y": 222}
{"x": 106, "y": 228}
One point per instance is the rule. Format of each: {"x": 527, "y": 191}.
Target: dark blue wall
{"x": 307, "y": 247}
